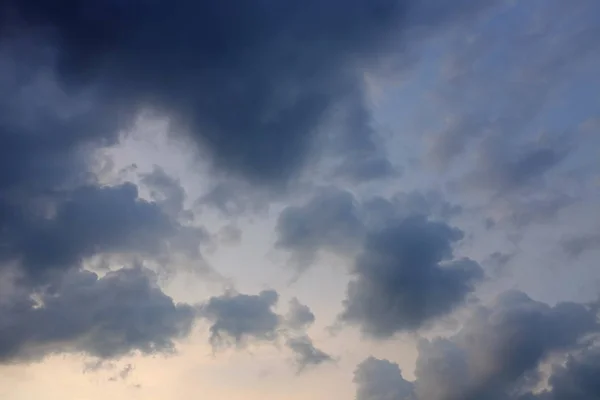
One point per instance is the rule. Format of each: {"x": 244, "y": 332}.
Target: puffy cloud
{"x": 576, "y": 379}
{"x": 236, "y": 318}
{"x": 105, "y": 317}
{"x": 499, "y": 350}
{"x": 404, "y": 272}
{"x": 381, "y": 380}
{"x": 239, "y": 319}
{"x": 406, "y": 276}
{"x": 334, "y": 220}
{"x": 88, "y": 221}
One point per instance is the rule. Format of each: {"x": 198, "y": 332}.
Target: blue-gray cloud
{"x": 306, "y": 354}
{"x": 237, "y": 318}
{"x": 299, "y": 316}
{"x": 498, "y": 351}
{"x": 240, "y": 319}
{"x": 329, "y": 221}
{"x": 406, "y": 276}
{"x": 377, "y": 379}
{"x": 280, "y": 69}
{"x": 105, "y": 317}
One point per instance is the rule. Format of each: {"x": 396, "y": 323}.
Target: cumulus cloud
{"x": 406, "y": 276}
{"x": 576, "y": 379}
{"x": 404, "y": 272}
{"x": 336, "y": 221}
{"x": 240, "y": 319}
{"x": 105, "y": 317}
{"x": 252, "y": 84}
{"x": 498, "y": 353}
{"x": 88, "y": 221}
{"x": 236, "y": 318}
{"x": 381, "y": 380}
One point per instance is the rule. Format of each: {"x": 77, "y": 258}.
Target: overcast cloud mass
{"x": 260, "y": 199}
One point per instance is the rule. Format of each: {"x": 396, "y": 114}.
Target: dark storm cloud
{"x": 406, "y": 276}
{"x": 497, "y": 353}
{"x": 381, "y": 380}
{"x": 576, "y": 380}
{"x": 90, "y": 220}
{"x": 237, "y": 318}
{"x": 306, "y": 354}
{"x": 253, "y": 82}
{"x": 106, "y": 317}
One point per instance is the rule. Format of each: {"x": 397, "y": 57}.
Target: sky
{"x": 359, "y": 199}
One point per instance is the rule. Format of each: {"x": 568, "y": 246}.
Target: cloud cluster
{"x": 499, "y": 353}
{"x": 105, "y": 317}
{"x": 381, "y": 380}
{"x": 404, "y": 273}
{"x": 240, "y": 319}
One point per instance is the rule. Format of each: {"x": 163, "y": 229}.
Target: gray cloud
{"x": 334, "y": 220}
{"x": 404, "y": 271}
{"x": 237, "y": 318}
{"x": 230, "y": 235}
{"x": 109, "y": 317}
{"x": 499, "y": 80}
{"x": 306, "y": 354}
{"x": 381, "y": 380}
{"x": 575, "y": 380}
{"x": 240, "y": 319}
{"x": 165, "y": 190}
{"x": 576, "y": 245}
{"x": 498, "y": 352}
{"x": 511, "y": 91}
{"x": 87, "y": 221}
{"x": 252, "y": 83}
{"x": 282, "y": 69}
{"x": 329, "y": 221}
{"x": 506, "y": 169}
{"x": 406, "y": 276}
{"x": 299, "y": 316}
